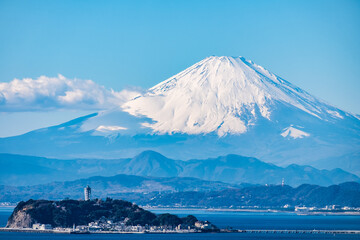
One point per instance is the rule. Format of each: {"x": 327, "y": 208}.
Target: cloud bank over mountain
{"x": 50, "y": 93}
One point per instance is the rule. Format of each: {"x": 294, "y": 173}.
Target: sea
{"x": 222, "y": 219}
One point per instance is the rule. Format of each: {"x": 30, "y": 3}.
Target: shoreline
{"x": 250, "y": 210}
{"x": 8, "y": 206}
{"x": 244, "y": 210}
{"x": 274, "y": 231}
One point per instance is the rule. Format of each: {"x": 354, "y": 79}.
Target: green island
{"x": 98, "y": 216}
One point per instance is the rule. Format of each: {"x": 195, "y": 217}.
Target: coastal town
{"x": 108, "y": 226}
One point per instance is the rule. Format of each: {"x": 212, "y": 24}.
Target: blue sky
{"x": 122, "y": 44}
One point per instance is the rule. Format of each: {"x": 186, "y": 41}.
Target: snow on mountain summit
{"x": 294, "y": 133}
{"x": 218, "y": 106}
{"x": 219, "y": 94}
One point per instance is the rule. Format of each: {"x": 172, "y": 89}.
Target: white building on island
{"x": 87, "y": 193}
{"x": 39, "y": 226}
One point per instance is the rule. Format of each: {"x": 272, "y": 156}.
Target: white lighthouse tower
{"x": 87, "y": 193}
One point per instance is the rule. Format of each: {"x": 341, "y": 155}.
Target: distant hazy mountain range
{"x": 189, "y": 192}
{"x": 230, "y": 169}
{"x": 218, "y": 106}
{"x": 345, "y": 194}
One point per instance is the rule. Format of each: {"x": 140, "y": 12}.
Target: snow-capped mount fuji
{"x": 218, "y": 106}
{"x": 225, "y": 95}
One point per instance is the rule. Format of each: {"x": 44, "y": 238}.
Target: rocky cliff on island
{"x": 66, "y": 213}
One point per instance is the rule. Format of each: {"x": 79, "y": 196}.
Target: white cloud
{"x": 47, "y": 93}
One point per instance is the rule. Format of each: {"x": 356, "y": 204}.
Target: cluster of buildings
{"x": 8, "y": 204}
{"x": 329, "y": 208}
{"x": 204, "y": 225}
{"x": 39, "y": 226}
{"x": 107, "y": 226}
{"x": 104, "y": 225}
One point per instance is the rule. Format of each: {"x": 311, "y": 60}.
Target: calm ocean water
{"x": 221, "y": 219}
{"x": 242, "y": 220}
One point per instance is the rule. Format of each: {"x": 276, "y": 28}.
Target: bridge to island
{"x": 300, "y": 231}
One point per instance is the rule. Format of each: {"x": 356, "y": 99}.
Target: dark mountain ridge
{"x": 114, "y": 186}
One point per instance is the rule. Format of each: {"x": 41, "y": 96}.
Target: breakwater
{"x": 300, "y": 231}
